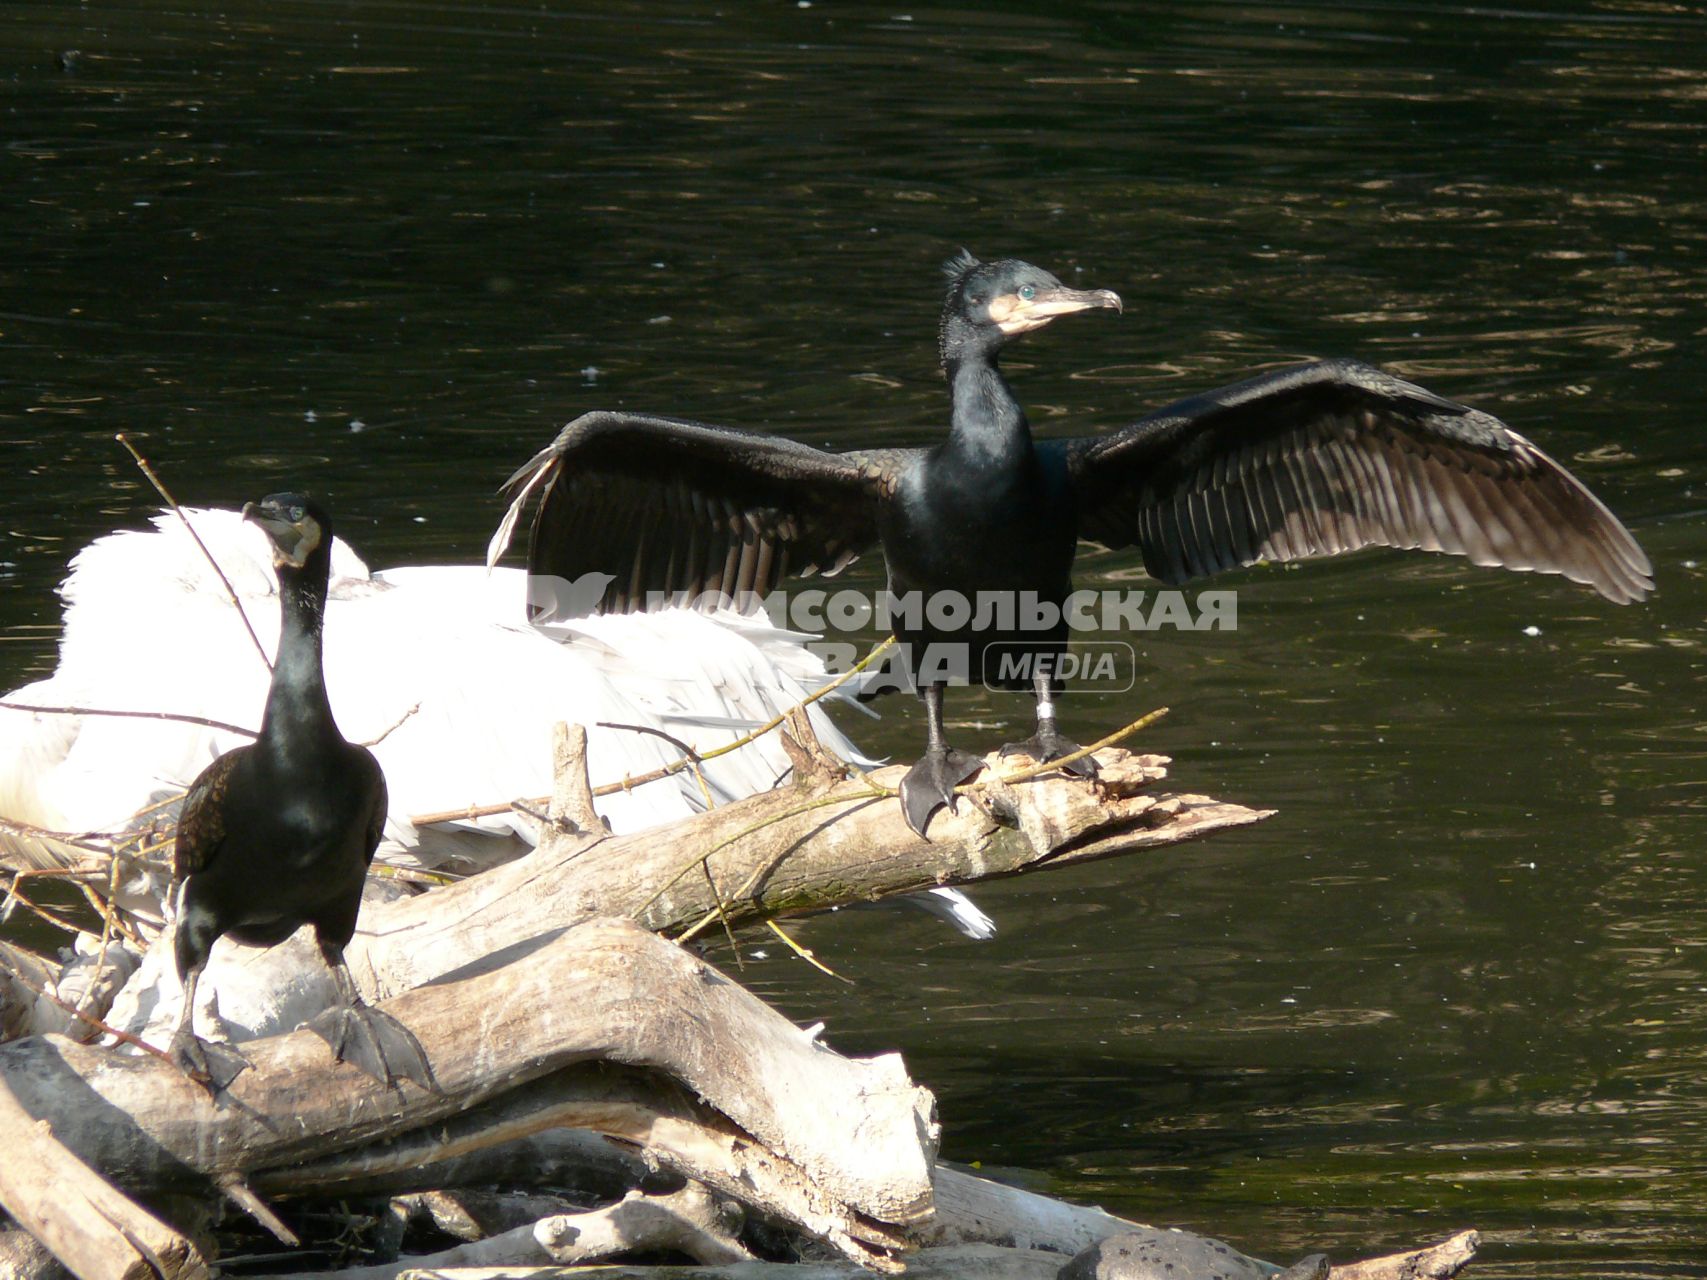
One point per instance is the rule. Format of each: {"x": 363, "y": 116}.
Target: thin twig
{"x": 237, "y": 1191}
{"x": 704, "y": 858}
{"x": 160, "y": 488}
{"x": 107, "y": 909}
{"x": 414, "y": 875}
{"x": 16, "y": 898}
{"x": 87, "y": 1019}
{"x": 133, "y": 715}
{"x": 527, "y": 810}
{"x": 670, "y": 770}
{"x": 723, "y": 916}
{"x": 805, "y": 953}
{"x": 874, "y": 790}
{"x": 60, "y": 873}
{"x": 877, "y": 651}
{"x": 110, "y": 918}
{"x": 84, "y": 840}
{"x": 400, "y": 722}
{"x": 670, "y": 738}
{"x": 1061, "y": 762}
{"x": 688, "y": 753}
{"x": 145, "y": 853}
{"x": 104, "y": 844}
{"x": 169, "y": 800}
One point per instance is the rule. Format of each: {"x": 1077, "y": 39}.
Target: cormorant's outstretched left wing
{"x": 673, "y": 509}
{"x": 1329, "y": 457}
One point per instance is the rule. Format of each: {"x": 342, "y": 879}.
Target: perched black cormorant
{"x": 1305, "y": 461}
{"x": 279, "y": 833}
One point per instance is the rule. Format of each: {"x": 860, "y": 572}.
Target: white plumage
{"x": 432, "y": 666}
{"x": 437, "y": 656}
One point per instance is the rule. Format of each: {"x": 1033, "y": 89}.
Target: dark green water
{"x": 381, "y": 250}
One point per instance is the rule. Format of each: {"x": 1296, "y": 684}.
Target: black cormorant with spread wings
{"x": 280, "y": 833}
{"x": 1305, "y": 461}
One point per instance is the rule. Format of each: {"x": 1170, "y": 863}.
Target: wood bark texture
{"x": 578, "y": 1052}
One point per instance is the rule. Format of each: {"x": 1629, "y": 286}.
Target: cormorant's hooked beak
{"x": 1015, "y": 313}
{"x": 293, "y": 532}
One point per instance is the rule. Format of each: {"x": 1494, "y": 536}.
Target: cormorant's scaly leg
{"x": 930, "y": 783}
{"x": 366, "y": 1037}
{"x": 213, "y": 1066}
{"x": 1047, "y": 744}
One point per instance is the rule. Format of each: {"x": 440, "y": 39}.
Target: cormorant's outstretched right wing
{"x": 680, "y": 509}
{"x": 1329, "y": 457}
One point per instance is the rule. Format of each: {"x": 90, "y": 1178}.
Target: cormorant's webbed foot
{"x": 1046, "y": 745}
{"x": 213, "y": 1066}
{"x": 376, "y": 1042}
{"x": 930, "y": 784}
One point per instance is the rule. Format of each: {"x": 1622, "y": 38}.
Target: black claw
{"x": 213, "y": 1066}
{"x": 1046, "y": 745}
{"x": 376, "y": 1042}
{"x": 930, "y": 784}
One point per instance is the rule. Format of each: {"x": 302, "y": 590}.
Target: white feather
{"x": 432, "y": 662}
{"x": 437, "y": 655}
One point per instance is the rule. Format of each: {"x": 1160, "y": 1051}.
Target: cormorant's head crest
{"x": 960, "y": 270}
{"x": 957, "y": 267}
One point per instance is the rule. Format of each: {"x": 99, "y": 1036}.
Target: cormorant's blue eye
{"x": 1027, "y": 293}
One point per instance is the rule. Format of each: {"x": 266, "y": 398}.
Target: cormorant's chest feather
{"x": 980, "y": 520}
{"x": 310, "y": 799}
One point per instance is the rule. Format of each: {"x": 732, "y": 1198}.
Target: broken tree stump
{"x": 605, "y": 1027}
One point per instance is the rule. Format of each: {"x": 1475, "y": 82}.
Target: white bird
{"x": 435, "y": 667}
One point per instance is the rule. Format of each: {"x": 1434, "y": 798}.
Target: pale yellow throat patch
{"x": 305, "y": 545}
{"x": 1013, "y": 314}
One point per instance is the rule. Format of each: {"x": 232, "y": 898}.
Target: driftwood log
{"x": 796, "y": 849}
{"x": 614, "y": 1029}
{"x": 787, "y": 851}
{"x": 956, "y": 1262}
{"x": 620, "y": 1093}
{"x": 80, "y": 1217}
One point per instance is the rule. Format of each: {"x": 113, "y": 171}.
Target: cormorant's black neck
{"x": 297, "y": 706}
{"x": 986, "y": 422}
